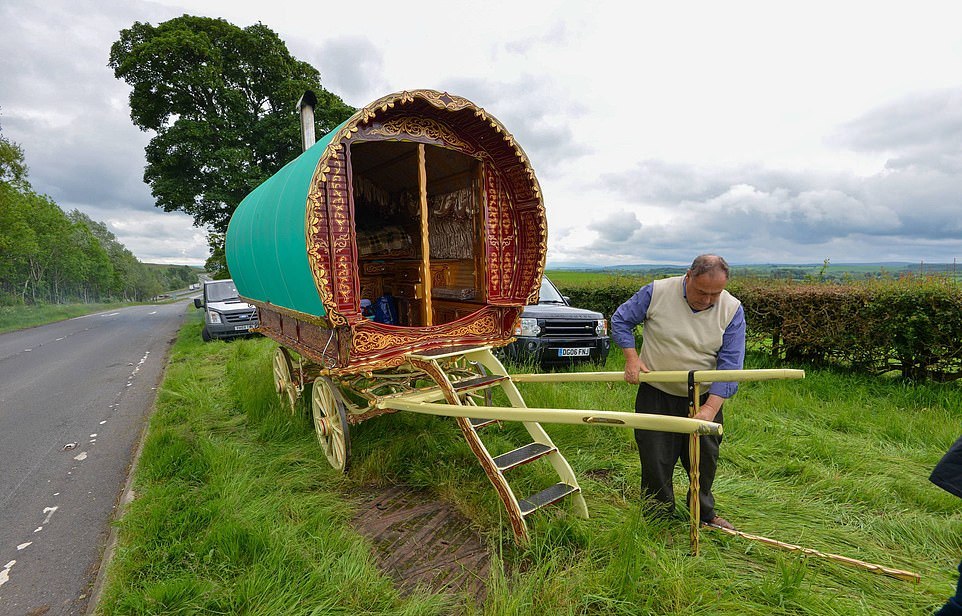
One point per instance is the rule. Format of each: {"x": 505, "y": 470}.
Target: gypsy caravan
{"x": 390, "y": 258}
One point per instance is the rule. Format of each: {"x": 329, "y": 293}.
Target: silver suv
{"x": 225, "y": 314}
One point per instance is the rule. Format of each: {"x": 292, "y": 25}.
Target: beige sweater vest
{"x": 675, "y": 338}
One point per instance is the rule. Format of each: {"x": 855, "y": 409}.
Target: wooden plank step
{"x": 448, "y": 351}
{"x": 476, "y": 383}
{"x": 545, "y": 497}
{"x": 522, "y": 455}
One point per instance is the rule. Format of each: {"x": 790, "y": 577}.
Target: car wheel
{"x": 205, "y": 334}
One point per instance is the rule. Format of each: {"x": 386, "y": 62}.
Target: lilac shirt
{"x": 731, "y": 355}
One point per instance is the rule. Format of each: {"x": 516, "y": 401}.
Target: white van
{"x": 225, "y": 314}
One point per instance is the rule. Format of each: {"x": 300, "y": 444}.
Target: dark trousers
{"x": 660, "y": 451}
{"x": 954, "y": 605}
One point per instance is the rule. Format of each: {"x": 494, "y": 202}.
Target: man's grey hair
{"x": 708, "y": 264}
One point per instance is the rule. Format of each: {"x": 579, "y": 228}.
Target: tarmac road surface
{"x": 74, "y": 397}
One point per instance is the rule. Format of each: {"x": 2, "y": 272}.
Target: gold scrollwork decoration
{"x": 368, "y": 340}
{"x": 421, "y": 127}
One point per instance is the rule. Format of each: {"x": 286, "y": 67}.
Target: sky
{"x": 767, "y": 132}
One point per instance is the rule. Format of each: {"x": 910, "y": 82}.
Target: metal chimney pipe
{"x": 306, "y": 106}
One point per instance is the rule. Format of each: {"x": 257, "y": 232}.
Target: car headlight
{"x": 601, "y": 329}
{"x": 527, "y": 327}
{"x": 214, "y": 317}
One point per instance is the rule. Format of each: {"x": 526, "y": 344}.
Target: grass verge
{"x": 21, "y": 317}
{"x": 238, "y": 512}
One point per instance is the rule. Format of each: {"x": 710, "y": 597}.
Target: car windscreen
{"x": 549, "y": 294}
{"x": 221, "y": 291}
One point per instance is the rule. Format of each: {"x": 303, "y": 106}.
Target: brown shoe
{"x": 719, "y": 522}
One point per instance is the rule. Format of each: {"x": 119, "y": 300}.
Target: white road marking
{"x": 104, "y": 421}
{"x": 94, "y": 435}
{"x": 49, "y": 511}
{"x": 154, "y": 312}
{"x": 80, "y": 457}
{"x": 40, "y": 528}
{"x": 27, "y": 350}
{"x": 58, "y": 339}
{"x": 23, "y": 545}
{"x": 5, "y": 574}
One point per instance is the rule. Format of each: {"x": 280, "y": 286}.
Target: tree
{"x": 221, "y": 100}
{"x": 13, "y": 169}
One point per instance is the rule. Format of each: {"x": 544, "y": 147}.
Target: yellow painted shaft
{"x": 662, "y": 376}
{"x": 616, "y": 419}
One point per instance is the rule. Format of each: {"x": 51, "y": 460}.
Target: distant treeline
{"x": 50, "y": 256}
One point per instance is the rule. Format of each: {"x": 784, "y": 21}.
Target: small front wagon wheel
{"x": 330, "y": 423}
{"x": 283, "y": 381}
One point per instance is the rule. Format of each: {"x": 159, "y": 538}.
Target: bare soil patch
{"x": 422, "y": 541}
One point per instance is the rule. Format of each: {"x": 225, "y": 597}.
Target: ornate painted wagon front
{"x": 421, "y": 200}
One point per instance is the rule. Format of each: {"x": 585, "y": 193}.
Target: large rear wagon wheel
{"x": 283, "y": 380}
{"x": 330, "y": 423}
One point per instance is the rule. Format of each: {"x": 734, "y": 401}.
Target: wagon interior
{"x": 434, "y": 267}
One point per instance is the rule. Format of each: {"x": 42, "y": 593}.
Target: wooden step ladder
{"x": 456, "y": 393}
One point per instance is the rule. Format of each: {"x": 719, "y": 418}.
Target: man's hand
{"x": 708, "y": 410}
{"x": 633, "y": 365}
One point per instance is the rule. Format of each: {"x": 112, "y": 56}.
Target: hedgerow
{"x": 910, "y": 324}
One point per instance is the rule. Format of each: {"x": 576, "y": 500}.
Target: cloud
{"x": 159, "y": 237}
{"x": 558, "y": 34}
{"x": 924, "y": 130}
{"x": 905, "y": 209}
{"x": 617, "y": 227}
{"x": 544, "y": 131}
{"x": 61, "y": 102}
{"x": 352, "y": 66}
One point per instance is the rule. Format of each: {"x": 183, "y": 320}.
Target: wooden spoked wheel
{"x": 283, "y": 380}
{"x": 330, "y": 423}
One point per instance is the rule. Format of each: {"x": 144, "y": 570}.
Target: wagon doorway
{"x": 417, "y": 216}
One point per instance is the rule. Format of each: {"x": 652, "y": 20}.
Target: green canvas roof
{"x": 266, "y": 244}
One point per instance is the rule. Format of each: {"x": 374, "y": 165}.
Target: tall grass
{"x": 237, "y": 510}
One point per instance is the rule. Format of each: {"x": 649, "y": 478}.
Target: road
{"x": 74, "y": 396}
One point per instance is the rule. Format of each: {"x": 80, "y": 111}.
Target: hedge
{"x": 912, "y": 324}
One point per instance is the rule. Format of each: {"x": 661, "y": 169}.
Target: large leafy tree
{"x": 221, "y": 100}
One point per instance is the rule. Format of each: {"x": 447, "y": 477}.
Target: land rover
{"x": 553, "y": 333}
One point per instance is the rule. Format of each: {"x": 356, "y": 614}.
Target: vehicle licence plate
{"x": 574, "y": 352}
{"x": 242, "y": 327}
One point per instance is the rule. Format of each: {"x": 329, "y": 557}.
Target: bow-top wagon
{"x": 388, "y": 260}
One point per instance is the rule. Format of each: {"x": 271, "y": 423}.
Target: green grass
{"x": 237, "y": 510}
{"x": 20, "y": 317}
{"x": 568, "y": 278}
